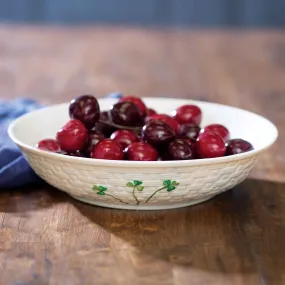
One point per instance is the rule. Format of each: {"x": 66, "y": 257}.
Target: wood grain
{"x": 236, "y": 238}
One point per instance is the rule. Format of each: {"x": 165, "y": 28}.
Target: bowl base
{"x": 142, "y": 207}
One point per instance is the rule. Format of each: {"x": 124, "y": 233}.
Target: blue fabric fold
{"x": 14, "y": 169}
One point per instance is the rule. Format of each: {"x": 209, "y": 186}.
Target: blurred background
{"x": 181, "y": 13}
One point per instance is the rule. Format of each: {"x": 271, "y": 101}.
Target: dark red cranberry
{"x": 48, "y": 145}
{"x": 137, "y": 101}
{"x": 237, "y": 146}
{"x": 150, "y": 112}
{"x": 126, "y": 114}
{"x": 210, "y": 145}
{"x": 188, "y": 114}
{"x": 86, "y": 109}
{"x": 157, "y": 132}
{"x": 141, "y": 151}
{"x": 181, "y": 149}
{"x": 166, "y": 119}
{"x": 72, "y": 137}
{"x": 104, "y": 128}
{"x": 219, "y": 129}
{"x": 124, "y": 138}
{"x": 93, "y": 138}
{"x": 77, "y": 154}
{"x": 190, "y": 131}
{"x": 107, "y": 149}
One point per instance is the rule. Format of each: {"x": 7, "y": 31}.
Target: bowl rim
{"x": 142, "y": 164}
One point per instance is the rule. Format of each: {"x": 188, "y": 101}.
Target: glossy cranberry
{"x": 48, "y": 145}
{"x": 157, "y": 132}
{"x": 124, "y": 138}
{"x": 150, "y": 112}
{"x": 104, "y": 128}
{"x": 220, "y": 130}
{"x": 210, "y": 145}
{"x": 166, "y": 119}
{"x": 126, "y": 114}
{"x": 72, "y": 137}
{"x": 107, "y": 149}
{"x": 141, "y": 151}
{"x": 77, "y": 154}
{"x": 86, "y": 109}
{"x": 93, "y": 138}
{"x": 237, "y": 146}
{"x": 181, "y": 149}
{"x": 190, "y": 131}
{"x": 137, "y": 101}
{"x": 188, "y": 114}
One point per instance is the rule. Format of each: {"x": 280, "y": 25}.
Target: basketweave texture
{"x": 131, "y": 186}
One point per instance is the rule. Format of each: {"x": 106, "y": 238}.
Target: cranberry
{"x": 72, "y": 136}
{"x": 166, "y": 119}
{"x": 126, "y": 114}
{"x": 190, "y": 131}
{"x": 219, "y": 129}
{"x": 157, "y": 132}
{"x": 77, "y": 154}
{"x": 86, "y": 109}
{"x": 210, "y": 145}
{"x": 48, "y": 145}
{"x": 137, "y": 101}
{"x": 93, "y": 138}
{"x": 107, "y": 149}
{"x": 181, "y": 149}
{"x": 150, "y": 112}
{"x": 124, "y": 138}
{"x": 188, "y": 114}
{"x": 141, "y": 151}
{"x": 237, "y": 146}
{"x": 103, "y": 128}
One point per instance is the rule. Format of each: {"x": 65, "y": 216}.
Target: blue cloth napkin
{"x": 14, "y": 169}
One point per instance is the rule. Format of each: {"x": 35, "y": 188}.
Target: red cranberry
{"x": 210, "y": 145}
{"x": 93, "y": 138}
{"x": 124, "y": 138}
{"x": 77, "y": 154}
{"x": 157, "y": 132}
{"x": 181, "y": 149}
{"x": 86, "y": 109}
{"x": 137, "y": 101}
{"x": 103, "y": 128}
{"x": 188, "y": 114}
{"x": 237, "y": 146}
{"x": 190, "y": 131}
{"x": 166, "y": 119}
{"x": 141, "y": 151}
{"x": 126, "y": 114}
{"x": 48, "y": 145}
{"x": 72, "y": 137}
{"x": 219, "y": 129}
{"x": 150, "y": 112}
{"x": 107, "y": 149}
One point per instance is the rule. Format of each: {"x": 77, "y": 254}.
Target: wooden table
{"x": 236, "y": 238}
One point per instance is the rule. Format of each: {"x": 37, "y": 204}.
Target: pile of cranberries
{"x": 131, "y": 131}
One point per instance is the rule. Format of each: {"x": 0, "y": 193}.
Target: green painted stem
{"x": 116, "y": 198}
{"x": 134, "y": 195}
{"x": 164, "y": 187}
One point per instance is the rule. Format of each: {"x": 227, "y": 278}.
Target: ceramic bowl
{"x": 143, "y": 185}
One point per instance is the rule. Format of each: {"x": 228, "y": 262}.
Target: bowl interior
{"x": 45, "y": 122}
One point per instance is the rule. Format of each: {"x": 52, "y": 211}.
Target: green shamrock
{"x": 100, "y": 189}
{"x": 170, "y": 185}
{"x": 136, "y": 185}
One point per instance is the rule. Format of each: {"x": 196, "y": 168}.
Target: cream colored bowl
{"x": 143, "y": 185}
